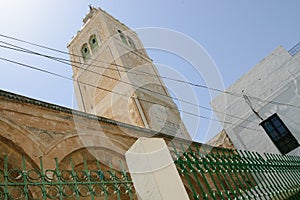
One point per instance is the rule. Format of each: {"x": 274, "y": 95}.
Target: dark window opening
{"x": 131, "y": 43}
{"x": 279, "y": 134}
{"x": 93, "y": 42}
{"x": 123, "y": 38}
{"x": 85, "y": 52}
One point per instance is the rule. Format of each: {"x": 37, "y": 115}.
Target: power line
{"x": 118, "y": 65}
{"x": 163, "y": 77}
{"x": 141, "y": 72}
{"x": 127, "y": 83}
{"x": 114, "y": 92}
{"x": 64, "y": 61}
{"x": 273, "y": 102}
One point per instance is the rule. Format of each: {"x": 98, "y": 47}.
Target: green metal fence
{"x": 216, "y": 173}
{"x": 207, "y": 173}
{"x": 23, "y": 183}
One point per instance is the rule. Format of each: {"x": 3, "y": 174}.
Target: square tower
{"x": 115, "y": 78}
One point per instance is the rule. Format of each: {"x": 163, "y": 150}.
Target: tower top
{"x": 97, "y": 14}
{"x": 92, "y": 11}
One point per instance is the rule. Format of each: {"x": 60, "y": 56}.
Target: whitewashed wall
{"x": 275, "y": 78}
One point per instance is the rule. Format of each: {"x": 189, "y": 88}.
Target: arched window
{"x": 123, "y": 38}
{"x": 131, "y": 43}
{"x": 93, "y": 42}
{"x": 85, "y": 51}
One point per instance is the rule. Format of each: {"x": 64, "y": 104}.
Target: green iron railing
{"x": 41, "y": 184}
{"x": 207, "y": 173}
{"x": 216, "y": 173}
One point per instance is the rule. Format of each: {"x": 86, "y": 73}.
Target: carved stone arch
{"x": 76, "y": 142}
{"x": 131, "y": 42}
{"x": 108, "y": 168}
{"x": 107, "y": 158}
{"x": 85, "y": 51}
{"x": 20, "y": 140}
{"x": 11, "y": 157}
{"x": 123, "y": 37}
{"x": 85, "y": 164}
{"x": 14, "y": 155}
{"x": 93, "y": 42}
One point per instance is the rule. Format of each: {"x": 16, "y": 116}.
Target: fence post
{"x": 153, "y": 171}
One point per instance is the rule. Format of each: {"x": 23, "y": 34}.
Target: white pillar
{"x": 153, "y": 171}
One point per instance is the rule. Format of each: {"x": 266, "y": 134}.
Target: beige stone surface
{"x": 37, "y": 131}
{"x": 221, "y": 140}
{"x": 118, "y": 80}
{"x": 34, "y": 128}
{"x": 153, "y": 172}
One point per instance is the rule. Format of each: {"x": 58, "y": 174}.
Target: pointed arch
{"x": 93, "y": 42}
{"x": 123, "y": 37}
{"x": 85, "y": 51}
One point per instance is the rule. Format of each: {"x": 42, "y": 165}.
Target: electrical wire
{"x": 118, "y": 65}
{"x": 114, "y": 92}
{"x": 163, "y": 77}
{"x": 65, "y": 61}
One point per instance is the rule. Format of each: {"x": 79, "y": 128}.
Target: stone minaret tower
{"x": 115, "y": 78}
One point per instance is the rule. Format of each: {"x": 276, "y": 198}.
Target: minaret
{"x": 115, "y": 78}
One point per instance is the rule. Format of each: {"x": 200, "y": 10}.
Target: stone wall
{"x": 37, "y": 129}
{"x": 34, "y": 128}
{"x": 221, "y": 140}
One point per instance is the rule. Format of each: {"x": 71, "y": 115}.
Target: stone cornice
{"x": 28, "y": 100}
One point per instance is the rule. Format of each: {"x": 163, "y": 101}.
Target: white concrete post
{"x": 153, "y": 171}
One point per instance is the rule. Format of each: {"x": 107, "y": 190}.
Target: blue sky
{"x": 235, "y": 34}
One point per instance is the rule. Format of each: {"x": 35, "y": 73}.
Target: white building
{"x": 272, "y": 86}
